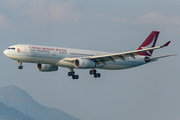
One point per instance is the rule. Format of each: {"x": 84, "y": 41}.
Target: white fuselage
{"x": 55, "y": 56}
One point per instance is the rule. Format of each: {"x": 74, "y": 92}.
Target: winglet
{"x": 166, "y": 44}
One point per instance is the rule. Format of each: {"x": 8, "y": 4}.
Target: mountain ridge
{"x": 19, "y": 99}
{"x": 9, "y": 113}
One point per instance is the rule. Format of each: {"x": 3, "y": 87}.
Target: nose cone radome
{"x": 5, "y": 52}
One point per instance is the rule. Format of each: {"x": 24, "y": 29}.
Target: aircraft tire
{"x": 72, "y": 73}
{"x": 95, "y": 75}
{"x": 73, "y": 77}
{"x": 20, "y": 67}
{"x": 94, "y": 71}
{"x": 77, "y": 76}
{"x": 91, "y": 72}
{"x": 69, "y": 74}
{"x": 98, "y": 75}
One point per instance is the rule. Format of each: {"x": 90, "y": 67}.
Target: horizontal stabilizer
{"x": 151, "y": 59}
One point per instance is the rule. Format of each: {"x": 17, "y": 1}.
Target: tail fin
{"x": 148, "y": 43}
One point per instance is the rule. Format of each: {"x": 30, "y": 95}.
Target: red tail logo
{"x": 148, "y": 43}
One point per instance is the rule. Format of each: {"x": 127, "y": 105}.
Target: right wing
{"x": 155, "y": 58}
{"x": 112, "y": 57}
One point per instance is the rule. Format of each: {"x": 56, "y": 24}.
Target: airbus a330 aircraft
{"x": 49, "y": 58}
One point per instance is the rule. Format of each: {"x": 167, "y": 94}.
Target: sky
{"x": 145, "y": 92}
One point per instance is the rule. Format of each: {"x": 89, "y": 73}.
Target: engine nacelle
{"x": 84, "y": 63}
{"x": 46, "y": 67}
{"x": 146, "y": 59}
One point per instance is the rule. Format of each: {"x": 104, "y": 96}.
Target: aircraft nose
{"x": 5, "y": 52}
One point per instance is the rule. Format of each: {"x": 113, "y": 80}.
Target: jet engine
{"x": 46, "y": 67}
{"x": 84, "y": 63}
{"x": 147, "y": 59}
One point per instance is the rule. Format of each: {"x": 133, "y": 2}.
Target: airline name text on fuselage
{"x": 43, "y": 48}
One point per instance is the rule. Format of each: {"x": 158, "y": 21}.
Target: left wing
{"x": 112, "y": 57}
{"x": 155, "y": 58}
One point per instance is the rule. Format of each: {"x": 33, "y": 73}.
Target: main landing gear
{"x": 93, "y": 72}
{"x": 20, "y": 65}
{"x": 72, "y": 73}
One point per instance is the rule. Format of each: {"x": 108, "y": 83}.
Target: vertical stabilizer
{"x": 148, "y": 43}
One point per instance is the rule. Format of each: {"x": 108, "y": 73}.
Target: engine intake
{"x": 84, "y": 63}
{"x": 46, "y": 67}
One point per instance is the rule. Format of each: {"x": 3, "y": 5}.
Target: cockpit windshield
{"x": 12, "y": 48}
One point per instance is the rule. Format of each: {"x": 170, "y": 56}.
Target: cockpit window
{"x": 12, "y": 48}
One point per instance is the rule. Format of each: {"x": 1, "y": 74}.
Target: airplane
{"x": 49, "y": 58}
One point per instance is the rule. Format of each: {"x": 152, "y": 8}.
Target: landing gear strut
{"x": 72, "y": 73}
{"x": 93, "y": 72}
{"x": 20, "y": 65}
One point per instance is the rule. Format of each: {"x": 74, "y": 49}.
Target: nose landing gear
{"x": 20, "y": 65}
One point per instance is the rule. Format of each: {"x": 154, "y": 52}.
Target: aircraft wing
{"x": 112, "y": 57}
{"x": 155, "y": 58}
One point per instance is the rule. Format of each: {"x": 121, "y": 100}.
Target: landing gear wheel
{"x": 98, "y": 75}
{"x": 72, "y": 73}
{"x": 95, "y": 75}
{"x": 94, "y": 71}
{"x": 20, "y": 67}
{"x": 91, "y": 72}
{"x": 77, "y": 76}
{"x": 73, "y": 77}
{"x": 69, "y": 74}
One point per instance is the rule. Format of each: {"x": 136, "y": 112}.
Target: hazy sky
{"x": 149, "y": 92}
